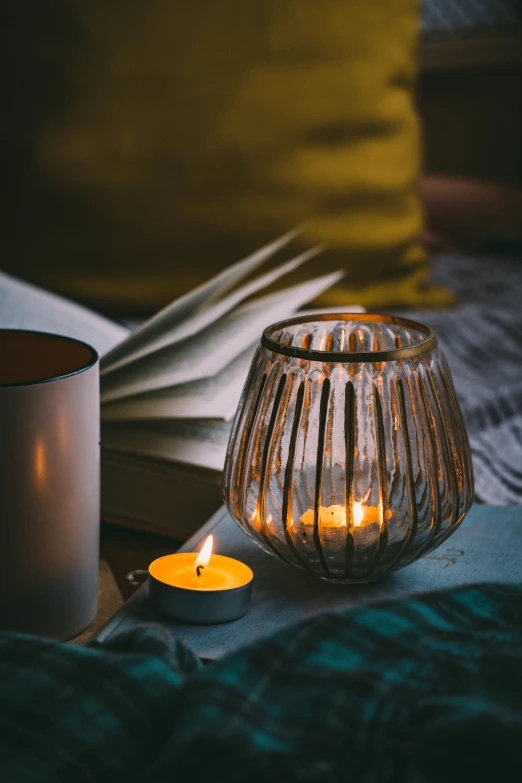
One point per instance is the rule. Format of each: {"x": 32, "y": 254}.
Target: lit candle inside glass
{"x": 334, "y": 517}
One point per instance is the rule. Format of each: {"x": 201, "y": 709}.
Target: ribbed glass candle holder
{"x": 349, "y": 456}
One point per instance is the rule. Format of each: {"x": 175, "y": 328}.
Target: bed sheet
{"x": 482, "y": 341}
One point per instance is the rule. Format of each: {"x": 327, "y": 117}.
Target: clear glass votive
{"x": 349, "y": 456}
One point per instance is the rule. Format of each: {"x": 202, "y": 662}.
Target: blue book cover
{"x": 486, "y": 548}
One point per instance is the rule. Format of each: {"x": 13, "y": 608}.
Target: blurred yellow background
{"x": 154, "y": 143}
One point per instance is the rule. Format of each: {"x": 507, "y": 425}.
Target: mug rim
{"x": 394, "y": 354}
{"x": 94, "y": 357}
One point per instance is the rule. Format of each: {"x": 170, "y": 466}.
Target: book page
{"x": 24, "y": 306}
{"x": 209, "y": 352}
{"x": 198, "y": 443}
{"x": 208, "y": 315}
{"x": 153, "y": 332}
{"x": 211, "y": 398}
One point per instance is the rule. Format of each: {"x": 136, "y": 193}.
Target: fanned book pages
{"x": 170, "y": 388}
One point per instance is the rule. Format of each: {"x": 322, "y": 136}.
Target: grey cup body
{"x": 49, "y": 503}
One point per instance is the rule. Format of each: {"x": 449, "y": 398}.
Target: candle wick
{"x": 199, "y": 569}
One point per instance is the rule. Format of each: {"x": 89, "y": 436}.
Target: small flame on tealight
{"x": 202, "y": 560}
{"x": 357, "y": 514}
{"x": 367, "y": 515}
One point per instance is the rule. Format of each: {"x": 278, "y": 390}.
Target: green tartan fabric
{"x": 421, "y": 690}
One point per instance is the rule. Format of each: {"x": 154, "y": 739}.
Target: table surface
{"x": 110, "y": 600}
{"x": 129, "y": 552}
{"x": 124, "y": 558}
{"x": 485, "y": 548}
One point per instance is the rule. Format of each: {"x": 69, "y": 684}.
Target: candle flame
{"x": 367, "y": 515}
{"x": 357, "y": 513}
{"x": 203, "y": 558}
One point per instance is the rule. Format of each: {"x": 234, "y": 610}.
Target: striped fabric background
{"x": 482, "y": 340}
{"x": 457, "y": 16}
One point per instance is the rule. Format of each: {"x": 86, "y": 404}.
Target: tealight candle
{"x": 200, "y": 588}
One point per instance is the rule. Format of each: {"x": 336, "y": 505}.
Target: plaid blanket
{"x": 420, "y": 690}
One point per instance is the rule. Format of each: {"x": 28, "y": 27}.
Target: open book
{"x": 170, "y": 388}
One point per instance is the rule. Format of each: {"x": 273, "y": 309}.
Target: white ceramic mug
{"x": 49, "y": 483}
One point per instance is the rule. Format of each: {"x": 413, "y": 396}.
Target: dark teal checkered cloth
{"x": 424, "y": 690}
